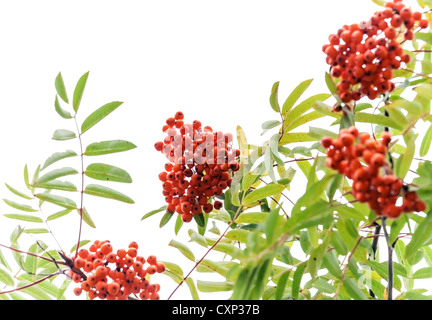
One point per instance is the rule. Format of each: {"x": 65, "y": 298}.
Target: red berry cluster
{"x": 363, "y": 55}
{"x": 373, "y": 183}
{"x": 201, "y": 163}
{"x": 106, "y": 274}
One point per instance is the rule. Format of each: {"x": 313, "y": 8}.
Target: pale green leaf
{"x": 105, "y": 172}
{"x": 60, "y": 88}
{"x": 107, "y": 147}
{"x": 79, "y": 90}
{"x": 63, "y": 134}
{"x": 98, "y": 115}
{"x": 58, "y": 156}
{"x": 105, "y": 192}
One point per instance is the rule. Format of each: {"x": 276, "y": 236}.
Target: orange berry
{"x": 113, "y": 288}
{"x": 144, "y": 295}
{"x": 132, "y": 252}
{"x": 102, "y": 287}
{"x": 101, "y": 272}
{"x": 133, "y": 244}
{"x": 77, "y": 291}
{"x": 137, "y": 266}
{"x": 154, "y": 296}
{"x": 160, "y": 267}
{"x": 79, "y": 262}
{"x": 83, "y": 253}
{"x": 92, "y": 294}
{"x": 152, "y": 260}
{"x": 378, "y": 159}
{"x": 106, "y": 248}
{"x": 121, "y": 253}
{"x": 152, "y": 269}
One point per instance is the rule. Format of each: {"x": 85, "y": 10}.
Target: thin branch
{"x": 390, "y": 247}
{"x": 30, "y": 284}
{"x": 208, "y": 251}
{"x": 31, "y": 254}
{"x": 346, "y": 267}
{"x": 82, "y": 187}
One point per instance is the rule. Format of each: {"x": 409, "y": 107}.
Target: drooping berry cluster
{"x": 200, "y": 166}
{"x": 106, "y": 274}
{"x": 363, "y": 160}
{"x": 363, "y": 56}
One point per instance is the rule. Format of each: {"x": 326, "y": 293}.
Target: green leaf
{"x": 60, "y": 88}
{"x": 330, "y": 83}
{"x": 192, "y": 288}
{"x": 302, "y": 119}
{"x": 415, "y": 295}
{"x": 79, "y": 90}
{"x": 19, "y": 206}
{"x": 58, "y": 214}
{"x": 58, "y": 185}
{"x": 252, "y": 217}
{"x": 58, "y": 156}
{"x": 298, "y": 275}
{"x": 281, "y": 285}
{"x": 353, "y": 289}
{"x": 153, "y": 212}
{"x": 35, "y": 291}
{"x": 62, "y": 112}
{"x": 165, "y": 219}
{"x": 54, "y": 174}
{"x": 242, "y": 142}
{"x": 238, "y": 235}
{"x": 294, "y": 137}
{"x": 313, "y": 193}
{"x": 63, "y": 134}
{"x": 263, "y": 192}
{"x": 26, "y": 177}
{"x": 304, "y": 106}
{"x": 274, "y": 97}
{"x": 318, "y": 212}
{"x": 426, "y": 37}
{"x": 18, "y": 193}
{"x": 107, "y": 147}
{"x": 316, "y": 256}
{"x": 105, "y": 192}
{"x": 349, "y": 212}
{"x": 426, "y": 142}
{"x": 378, "y": 119}
{"x": 58, "y": 200}
{"x": 36, "y": 231}
{"x": 183, "y": 249}
{"x": 105, "y": 172}
{"x": 396, "y": 227}
{"x": 404, "y": 161}
{"x": 319, "y": 133}
{"x": 6, "y": 278}
{"x": 214, "y": 286}
{"x": 420, "y": 237}
{"x": 331, "y": 263}
{"x": 295, "y": 95}
{"x": 423, "y": 273}
{"x": 86, "y": 217}
{"x": 271, "y": 225}
{"x": 98, "y": 115}
{"x": 267, "y": 125}
{"x": 23, "y": 217}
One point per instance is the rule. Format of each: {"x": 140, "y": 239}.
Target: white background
{"x": 214, "y": 60}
